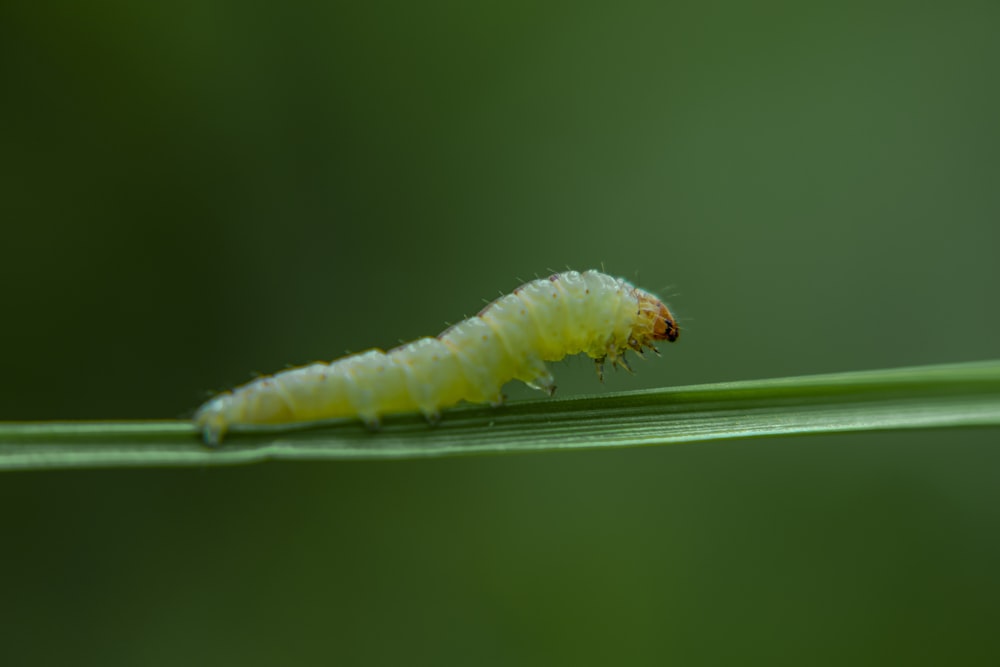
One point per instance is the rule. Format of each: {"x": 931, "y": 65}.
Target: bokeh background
{"x": 195, "y": 190}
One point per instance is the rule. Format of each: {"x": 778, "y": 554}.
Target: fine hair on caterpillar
{"x": 510, "y": 339}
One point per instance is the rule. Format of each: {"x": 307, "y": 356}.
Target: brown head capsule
{"x": 665, "y": 326}
{"x": 658, "y": 323}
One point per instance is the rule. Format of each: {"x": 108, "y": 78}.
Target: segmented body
{"x": 511, "y": 338}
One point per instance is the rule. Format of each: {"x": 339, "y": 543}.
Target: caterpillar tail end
{"x": 212, "y": 423}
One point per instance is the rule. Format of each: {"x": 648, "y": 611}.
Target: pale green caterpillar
{"x": 511, "y": 338}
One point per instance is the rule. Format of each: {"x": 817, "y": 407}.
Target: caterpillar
{"x": 511, "y": 338}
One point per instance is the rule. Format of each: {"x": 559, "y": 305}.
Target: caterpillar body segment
{"x": 511, "y": 338}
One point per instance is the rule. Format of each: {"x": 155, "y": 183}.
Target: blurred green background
{"x": 192, "y": 191}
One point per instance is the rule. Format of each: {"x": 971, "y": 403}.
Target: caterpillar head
{"x": 654, "y": 322}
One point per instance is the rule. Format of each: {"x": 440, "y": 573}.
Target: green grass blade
{"x": 954, "y": 395}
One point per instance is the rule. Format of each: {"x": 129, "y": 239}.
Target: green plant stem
{"x": 953, "y": 395}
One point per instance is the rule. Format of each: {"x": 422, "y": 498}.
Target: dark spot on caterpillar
{"x": 554, "y": 277}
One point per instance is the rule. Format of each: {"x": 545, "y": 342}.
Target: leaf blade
{"x": 941, "y": 396}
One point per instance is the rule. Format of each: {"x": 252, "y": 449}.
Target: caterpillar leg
{"x": 544, "y": 382}
{"x": 372, "y": 421}
{"x": 623, "y": 362}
